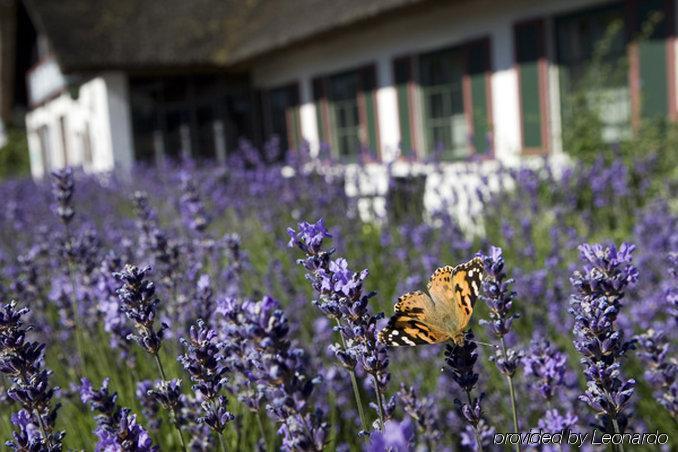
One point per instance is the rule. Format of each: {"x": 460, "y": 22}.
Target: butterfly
{"x": 440, "y": 315}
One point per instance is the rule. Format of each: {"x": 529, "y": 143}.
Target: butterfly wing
{"x": 409, "y": 325}
{"x": 454, "y": 291}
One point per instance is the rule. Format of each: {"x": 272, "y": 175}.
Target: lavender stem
{"x": 354, "y": 383}
{"x": 511, "y": 394}
{"x": 172, "y": 413}
{"x": 262, "y": 430}
{"x": 221, "y": 442}
{"x": 615, "y": 425}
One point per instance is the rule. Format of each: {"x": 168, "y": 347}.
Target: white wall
{"x": 102, "y": 106}
{"x": 433, "y": 26}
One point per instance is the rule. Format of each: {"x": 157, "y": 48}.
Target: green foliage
{"x": 14, "y": 155}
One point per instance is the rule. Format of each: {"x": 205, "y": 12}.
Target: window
{"x": 201, "y": 116}
{"x": 445, "y": 128}
{"x": 594, "y": 70}
{"x": 454, "y": 89}
{"x": 344, "y": 114}
{"x": 532, "y": 81}
{"x": 347, "y": 115}
{"x": 281, "y": 117}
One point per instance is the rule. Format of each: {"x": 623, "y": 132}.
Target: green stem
{"x": 380, "y": 403}
{"x": 43, "y": 430}
{"x": 76, "y": 316}
{"x": 354, "y": 383}
{"x": 222, "y": 444}
{"x": 512, "y": 395}
{"x": 172, "y": 413}
{"x": 262, "y": 430}
{"x": 615, "y": 425}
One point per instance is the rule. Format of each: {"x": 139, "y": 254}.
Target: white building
{"x": 121, "y": 81}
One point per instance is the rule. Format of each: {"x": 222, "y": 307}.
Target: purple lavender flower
{"x": 139, "y": 303}
{"x": 460, "y": 360}
{"x": 278, "y": 370}
{"x": 498, "y": 296}
{"x": 150, "y": 408}
{"x": 661, "y": 370}
{"x": 479, "y": 437}
{"x": 423, "y": 411}
{"x": 117, "y": 428}
{"x": 599, "y": 289}
{"x": 167, "y": 394}
{"x": 546, "y": 366}
{"x": 128, "y": 436}
{"x": 341, "y": 297}
{"x": 395, "y": 437}
{"x": 554, "y": 422}
{"x": 22, "y": 362}
{"x": 192, "y": 206}
{"x": 204, "y": 362}
{"x": 310, "y": 236}
{"x": 62, "y": 189}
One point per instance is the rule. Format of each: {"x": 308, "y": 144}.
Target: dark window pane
{"x": 343, "y": 91}
{"x": 441, "y": 74}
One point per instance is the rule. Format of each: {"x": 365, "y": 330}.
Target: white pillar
{"x": 119, "y": 121}
{"x": 309, "y": 121}
{"x": 387, "y": 110}
{"x": 505, "y": 107}
{"x": 554, "y": 126}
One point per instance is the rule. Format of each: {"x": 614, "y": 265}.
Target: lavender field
{"x": 237, "y": 308}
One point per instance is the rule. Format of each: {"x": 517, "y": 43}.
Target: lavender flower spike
{"x": 661, "y": 368}
{"x": 498, "y": 296}
{"x": 341, "y": 297}
{"x": 460, "y": 360}
{"x": 599, "y": 289}
{"x": 63, "y": 188}
{"x": 203, "y": 361}
{"x": 139, "y": 303}
{"x": 23, "y": 363}
{"x": 117, "y": 428}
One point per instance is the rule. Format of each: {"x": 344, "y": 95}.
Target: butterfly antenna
{"x": 486, "y": 344}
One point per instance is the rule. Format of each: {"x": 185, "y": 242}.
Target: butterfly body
{"x": 441, "y": 314}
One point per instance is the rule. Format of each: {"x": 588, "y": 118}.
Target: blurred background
{"x": 102, "y": 84}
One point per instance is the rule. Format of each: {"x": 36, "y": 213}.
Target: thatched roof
{"x": 142, "y": 34}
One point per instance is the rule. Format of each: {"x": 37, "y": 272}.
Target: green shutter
{"x": 478, "y": 64}
{"x": 294, "y": 127}
{"x": 529, "y": 39}
{"x": 320, "y": 100}
{"x": 369, "y": 87}
{"x": 402, "y": 73}
{"x": 652, "y": 26}
{"x": 293, "y": 118}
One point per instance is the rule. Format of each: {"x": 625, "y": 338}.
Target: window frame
{"x": 628, "y": 53}
{"x": 416, "y": 104}
{"x": 367, "y": 112}
{"x": 293, "y": 135}
{"x": 446, "y": 90}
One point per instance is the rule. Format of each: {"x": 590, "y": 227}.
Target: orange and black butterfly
{"x": 440, "y": 315}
